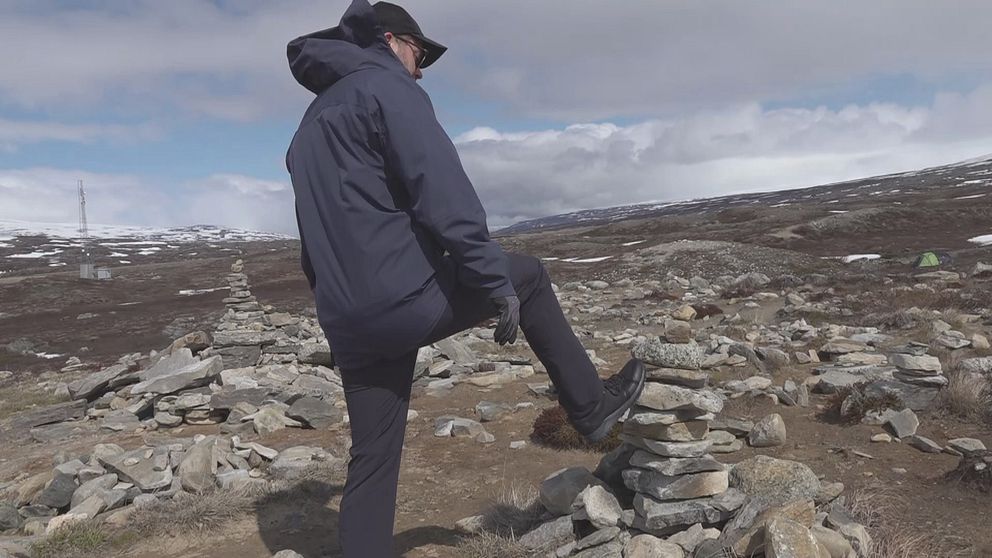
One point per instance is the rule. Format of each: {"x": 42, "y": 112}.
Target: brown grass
{"x": 81, "y": 540}
{"x": 972, "y": 472}
{"x": 876, "y": 507}
{"x": 17, "y": 398}
{"x": 185, "y": 513}
{"x": 965, "y": 397}
{"x": 860, "y": 405}
{"x": 489, "y": 545}
{"x": 552, "y": 429}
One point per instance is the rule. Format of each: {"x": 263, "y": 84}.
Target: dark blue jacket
{"x": 380, "y": 196}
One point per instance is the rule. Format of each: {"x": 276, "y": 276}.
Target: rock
{"x": 676, "y": 331}
{"x": 674, "y": 466}
{"x": 663, "y": 397}
{"x": 294, "y": 462}
{"x": 489, "y": 411}
{"x": 316, "y": 354}
{"x": 835, "y": 543}
{"x": 926, "y": 363}
{"x": 287, "y": 554}
{"x": 684, "y": 487}
{"x": 89, "y": 507}
{"x": 198, "y": 470}
{"x": 966, "y": 446}
{"x": 684, "y": 313}
{"x": 194, "y": 375}
{"x": 833, "y": 379}
{"x": 686, "y": 356}
{"x": 58, "y": 493}
{"x": 745, "y": 533}
{"x": 457, "y": 351}
{"x": 691, "y": 538}
{"x": 597, "y": 285}
{"x": 227, "y": 397}
{"x": 766, "y": 475}
{"x": 92, "y": 488}
{"x": 315, "y": 413}
{"x": 271, "y": 418}
{"x": 485, "y": 437}
{"x": 600, "y": 507}
{"x": 9, "y": 518}
{"x": 458, "y": 427}
{"x": 981, "y": 366}
{"x": 694, "y": 379}
{"x": 52, "y": 414}
{"x": 787, "y": 539}
{"x": 913, "y": 397}
{"x": 678, "y": 432}
{"x": 549, "y": 535}
{"x": 669, "y": 449}
{"x": 656, "y": 516}
{"x": 649, "y": 546}
{"x": 980, "y": 342}
{"x": 29, "y": 488}
{"x": 145, "y": 473}
{"x": 559, "y": 489}
{"x": 842, "y": 346}
{"x": 95, "y": 384}
{"x": 62, "y": 521}
{"x": 881, "y": 438}
{"x": 768, "y": 432}
{"x": 903, "y": 424}
{"x": 736, "y": 426}
{"x": 926, "y": 445}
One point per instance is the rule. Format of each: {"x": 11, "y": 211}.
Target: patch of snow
{"x": 550, "y": 259}
{"x": 984, "y": 240}
{"x": 10, "y": 228}
{"x": 838, "y": 211}
{"x": 148, "y": 251}
{"x": 860, "y": 257}
{"x": 634, "y": 243}
{"x": 971, "y": 197}
{"x": 57, "y": 264}
{"x": 5, "y": 245}
{"x": 48, "y": 356}
{"x": 124, "y": 261}
{"x": 134, "y": 243}
{"x": 35, "y": 255}
{"x": 972, "y": 182}
{"x": 587, "y": 260}
{"x": 117, "y": 255}
{"x": 192, "y": 292}
{"x": 129, "y": 303}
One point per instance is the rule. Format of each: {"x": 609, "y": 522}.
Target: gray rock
{"x": 612, "y": 549}
{"x": 926, "y": 445}
{"x": 194, "y": 375}
{"x": 227, "y": 397}
{"x": 287, "y": 554}
{"x": 489, "y": 411}
{"x": 597, "y": 538}
{"x": 917, "y": 398}
{"x": 683, "y": 487}
{"x": 966, "y": 446}
{"x": 761, "y": 475}
{"x": 95, "y": 384}
{"x": 675, "y": 466}
{"x": 768, "y": 432}
{"x": 458, "y": 427}
{"x": 601, "y": 508}
{"x": 687, "y": 356}
{"x": 650, "y": 546}
{"x": 832, "y": 379}
{"x": 903, "y": 424}
{"x": 457, "y": 351}
{"x": 694, "y": 379}
{"x": 294, "y": 462}
{"x": 787, "y": 539}
{"x": 146, "y": 473}
{"x": 92, "y": 488}
{"x": 669, "y": 449}
{"x": 645, "y": 416}
{"x": 691, "y": 538}
{"x": 981, "y": 366}
{"x": 58, "y": 493}
{"x": 549, "y": 535}
{"x": 247, "y": 338}
{"x": 198, "y": 470}
{"x": 677, "y": 432}
{"x": 559, "y": 489}
{"x": 842, "y": 346}
{"x": 315, "y": 386}
{"x": 61, "y": 412}
{"x": 736, "y": 426}
{"x": 120, "y": 421}
{"x": 89, "y": 507}
{"x": 925, "y": 363}
{"x": 9, "y": 518}
{"x": 168, "y": 364}
{"x": 662, "y": 397}
{"x": 314, "y": 412}
{"x": 316, "y": 353}
{"x": 660, "y": 517}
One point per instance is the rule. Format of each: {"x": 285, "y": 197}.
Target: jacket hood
{"x": 320, "y": 59}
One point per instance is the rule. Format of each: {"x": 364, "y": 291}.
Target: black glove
{"x": 509, "y": 318}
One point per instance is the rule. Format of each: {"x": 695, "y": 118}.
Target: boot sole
{"x": 605, "y": 428}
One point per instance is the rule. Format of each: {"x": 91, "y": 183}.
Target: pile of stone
{"x": 112, "y": 480}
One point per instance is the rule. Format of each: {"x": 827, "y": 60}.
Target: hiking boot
{"x": 620, "y": 391}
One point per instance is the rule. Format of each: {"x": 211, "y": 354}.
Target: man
{"x": 397, "y": 252}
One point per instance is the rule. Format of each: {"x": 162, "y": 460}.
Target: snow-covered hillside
{"x": 198, "y": 233}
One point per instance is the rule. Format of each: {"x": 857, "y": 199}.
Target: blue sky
{"x": 180, "y": 112}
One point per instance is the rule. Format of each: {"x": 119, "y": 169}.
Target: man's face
{"x": 410, "y": 52}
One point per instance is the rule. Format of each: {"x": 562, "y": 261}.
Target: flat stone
{"x": 549, "y": 535}
{"x": 194, "y": 375}
{"x": 926, "y": 445}
{"x": 295, "y": 461}
{"x": 686, "y": 356}
{"x": 316, "y": 387}
{"x": 315, "y": 413}
{"x": 198, "y": 470}
{"x": 677, "y": 432}
{"x": 559, "y": 490}
{"x": 227, "y": 398}
{"x": 650, "y": 546}
{"x": 835, "y": 543}
{"x": 966, "y": 446}
{"x": 903, "y": 424}
{"x": 60, "y": 412}
{"x": 135, "y": 468}
{"x": 736, "y": 426}
{"x": 832, "y": 379}
{"x": 9, "y": 518}
{"x": 247, "y": 338}
{"x": 693, "y": 379}
{"x": 598, "y": 537}
{"x": 675, "y": 466}
{"x": 645, "y": 416}
{"x": 316, "y": 354}
{"x": 669, "y": 449}
{"x": 601, "y": 508}
{"x": 457, "y": 351}
{"x": 58, "y": 493}
{"x": 271, "y": 418}
{"x": 981, "y": 366}
{"x": 168, "y": 364}
{"x": 745, "y": 533}
{"x": 917, "y": 398}
{"x": 93, "y": 487}
{"x": 691, "y": 538}
{"x": 660, "y": 517}
{"x": 94, "y": 385}
{"x": 766, "y": 475}
{"x": 662, "y": 397}
{"x": 683, "y": 487}
{"x": 612, "y": 549}
{"x": 489, "y": 411}
{"x": 787, "y": 539}
{"x": 926, "y": 363}
{"x": 768, "y": 432}
{"x": 842, "y": 346}
{"x": 457, "y": 427}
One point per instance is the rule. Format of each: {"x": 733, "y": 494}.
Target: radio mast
{"x": 86, "y": 268}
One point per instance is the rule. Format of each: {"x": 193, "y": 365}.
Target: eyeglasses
{"x": 420, "y": 55}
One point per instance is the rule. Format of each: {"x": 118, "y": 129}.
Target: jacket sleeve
{"x": 421, "y": 155}
{"x": 305, "y": 256}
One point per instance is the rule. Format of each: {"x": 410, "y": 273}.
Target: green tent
{"x": 932, "y": 259}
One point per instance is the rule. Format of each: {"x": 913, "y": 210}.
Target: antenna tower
{"x": 86, "y": 269}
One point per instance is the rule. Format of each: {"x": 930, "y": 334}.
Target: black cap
{"x": 397, "y": 21}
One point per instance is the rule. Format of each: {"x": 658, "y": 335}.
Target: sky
{"x": 180, "y": 112}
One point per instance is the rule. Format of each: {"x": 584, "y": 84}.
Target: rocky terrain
{"x": 810, "y": 394}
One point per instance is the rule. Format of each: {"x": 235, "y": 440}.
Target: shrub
{"x": 850, "y": 405}
{"x": 552, "y": 429}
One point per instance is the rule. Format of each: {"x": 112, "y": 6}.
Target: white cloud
{"x": 49, "y": 195}
{"x": 15, "y": 133}
{"x": 533, "y": 174}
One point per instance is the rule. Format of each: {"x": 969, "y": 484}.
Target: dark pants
{"x": 378, "y": 397}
